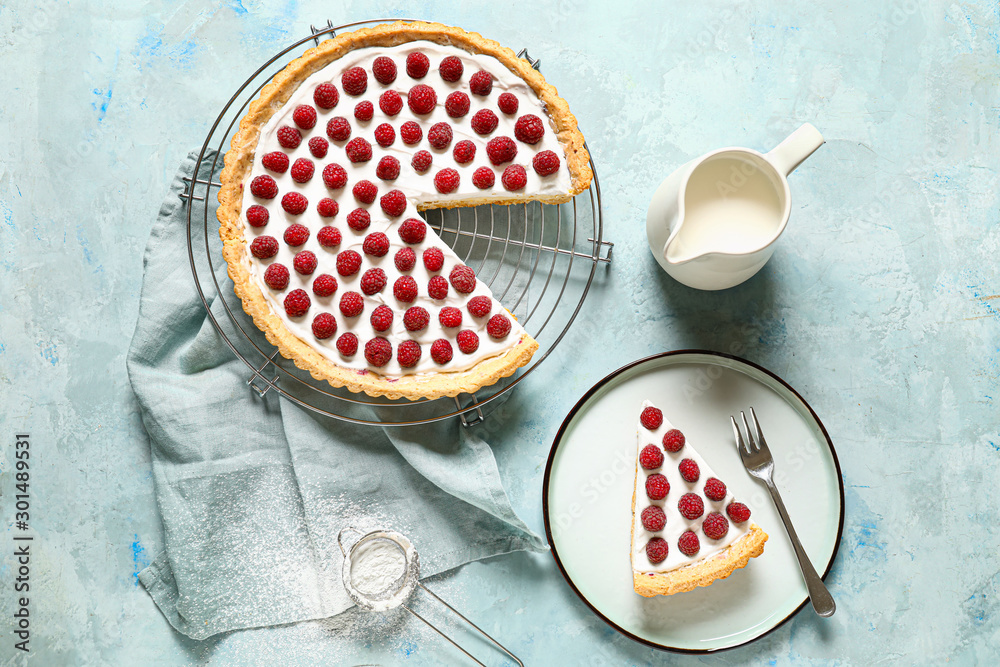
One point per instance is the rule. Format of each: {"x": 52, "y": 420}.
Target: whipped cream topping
{"x": 676, "y": 523}
{"x": 415, "y": 186}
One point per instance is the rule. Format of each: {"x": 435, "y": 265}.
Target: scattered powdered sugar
{"x": 376, "y": 565}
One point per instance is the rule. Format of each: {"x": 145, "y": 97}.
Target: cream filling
{"x": 416, "y": 187}
{"x": 676, "y": 523}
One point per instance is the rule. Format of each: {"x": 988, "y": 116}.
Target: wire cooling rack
{"x": 539, "y": 260}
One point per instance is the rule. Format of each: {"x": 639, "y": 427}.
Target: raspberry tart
{"x": 324, "y": 182}
{"x": 687, "y": 528}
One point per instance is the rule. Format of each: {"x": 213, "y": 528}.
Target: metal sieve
{"x": 397, "y": 591}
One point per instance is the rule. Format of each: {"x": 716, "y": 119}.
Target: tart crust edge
{"x": 239, "y": 160}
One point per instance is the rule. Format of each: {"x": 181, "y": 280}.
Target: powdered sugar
{"x": 376, "y": 567}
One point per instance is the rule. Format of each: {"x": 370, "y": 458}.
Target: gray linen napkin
{"x": 252, "y": 491}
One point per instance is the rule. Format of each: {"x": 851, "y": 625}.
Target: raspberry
{"x": 388, "y": 168}
{"x": 304, "y": 116}
{"x": 437, "y": 288}
{"x": 446, "y": 181}
{"x": 405, "y": 259}
{"x": 421, "y": 99}
{"x": 421, "y": 161}
{"x": 689, "y": 470}
{"x": 327, "y": 207}
{"x": 351, "y": 304}
{"x": 294, "y": 203}
{"x": 464, "y": 152}
{"x": 463, "y": 279}
{"x": 650, "y": 458}
{"x": 457, "y": 104}
{"x": 483, "y": 178}
{"x": 276, "y": 161}
{"x": 324, "y": 326}
{"x": 365, "y": 192}
{"x": 417, "y": 65}
{"x": 381, "y": 318}
{"x": 334, "y": 176}
{"x": 289, "y": 137}
{"x": 653, "y": 518}
{"x": 378, "y": 352}
{"x": 450, "y": 317}
{"x": 348, "y": 263}
{"x": 318, "y": 146}
{"x": 507, "y": 103}
{"x": 364, "y": 111}
{"x": 529, "y": 129}
{"x": 263, "y": 186}
{"x": 276, "y": 277}
{"x": 514, "y": 177}
{"x": 338, "y": 129}
{"x": 297, "y": 303}
{"x": 738, "y": 512}
{"x": 358, "y": 150}
{"x": 413, "y": 230}
{"x": 384, "y": 70}
{"x": 480, "y": 306}
{"x": 715, "y": 526}
{"x": 408, "y": 353}
{"x": 657, "y": 487}
{"x": 691, "y": 506}
{"x": 359, "y": 219}
{"x": 688, "y": 543}
{"x": 673, "y": 441}
{"x": 657, "y": 550}
{"x": 296, "y": 235}
{"x": 651, "y": 418}
{"x": 484, "y": 122}
{"x": 347, "y": 344}
{"x": 324, "y": 285}
{"x": 500, "y": 150}
{"x": 405, "y": 289}
{"x": 302, "y": 170}
{"x": 328, "y": 237}
{"x": 468, "y": 341}
{"x": 498, "y": 327}
{"x": 433, "y": 259}
{"x": 416, "y": 318}
{"x": 257, "y": 216}
{"x": 440, "y": 135}
{"x": 481, "y": 83}
{"x": 451, "y": 68}
{"x": 393, "y": 203}
{"x": 390, "y": 103}
{"x": 373, "y": 281}
{"x": 410, "y": 133}
{"x": 441, "y": 351}
{"x": 385, "y": 135}
{"x": 545, "y": 163}
{"x": 326, "y": 96}
{"x": 715, "y": 489}
{"x": 354, "y": 81}
{"x": 264, "y": 247}
{"x": 304, "y": 262}
{"x": 376, "y": 244}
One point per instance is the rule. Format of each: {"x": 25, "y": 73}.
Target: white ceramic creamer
{"x": 713, "y": 222}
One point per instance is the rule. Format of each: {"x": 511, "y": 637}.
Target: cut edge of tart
{"x": 705, "y": 566}
{"x": 239, "y": 161}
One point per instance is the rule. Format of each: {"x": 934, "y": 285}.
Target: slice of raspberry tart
{"x": 322, "y": 188}
{"x": 687, "y": 528}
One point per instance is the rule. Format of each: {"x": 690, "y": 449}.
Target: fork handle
{"x": 822, "y": 601}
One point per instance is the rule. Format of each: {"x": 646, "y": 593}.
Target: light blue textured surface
{"x": 880, "y": 306}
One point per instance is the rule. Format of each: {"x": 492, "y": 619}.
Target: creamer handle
{"x": 799, "y": 145}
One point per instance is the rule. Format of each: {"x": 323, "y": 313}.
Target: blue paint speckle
{"x": 103, "y": 100}
{"x": 139, "y": 559}
{"x": 48, "y": 352}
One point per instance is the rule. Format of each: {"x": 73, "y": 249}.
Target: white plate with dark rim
{"x": 589, "y": 478}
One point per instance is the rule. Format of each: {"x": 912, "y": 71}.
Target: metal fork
{"x": 758, "y": 462}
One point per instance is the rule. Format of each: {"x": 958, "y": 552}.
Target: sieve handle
{"x": 340, "y": 538}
